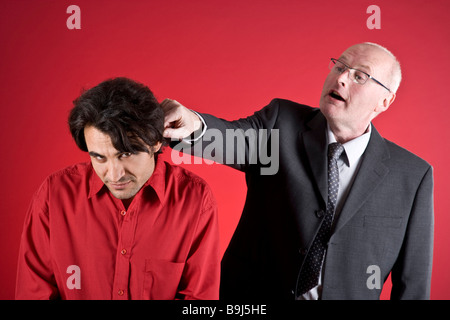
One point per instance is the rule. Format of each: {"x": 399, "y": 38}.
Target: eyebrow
{"x": 369, "y": 70}
{"x": 95, "y": 154}
{"x": 98, "y": 155}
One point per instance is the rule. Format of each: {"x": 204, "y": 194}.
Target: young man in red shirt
{"x": 125, "y": 225}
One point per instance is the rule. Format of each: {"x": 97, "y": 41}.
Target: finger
{"x": 166, "y": 102}
{"x": 177, "y": 134}
{"x": 169, "y": 104}
{"x": 172, "y": 120}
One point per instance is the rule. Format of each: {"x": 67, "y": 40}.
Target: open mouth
{"x": 335, "y": 95}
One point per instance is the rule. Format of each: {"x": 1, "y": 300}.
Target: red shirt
{"x": 79, "y": 242}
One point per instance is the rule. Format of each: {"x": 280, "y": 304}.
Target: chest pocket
{"x": 161, "y": 279}
{"x": 382, "y": 222}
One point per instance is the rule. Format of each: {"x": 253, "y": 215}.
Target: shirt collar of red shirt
{"x": 157, "y": 181}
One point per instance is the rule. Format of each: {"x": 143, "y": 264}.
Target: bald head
{"x": 392, "y": 65}
{"x": 349, "y": 105}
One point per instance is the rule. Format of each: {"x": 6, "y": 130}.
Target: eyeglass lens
{"x": 355, "y": 75}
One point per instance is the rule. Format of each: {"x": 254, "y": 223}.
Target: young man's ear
{"x": 156, "y": 147}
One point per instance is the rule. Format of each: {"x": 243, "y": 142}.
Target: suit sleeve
{"x": 411, "y": 275}
{"x": 35, "y": 279}
{"x": 201, "y": 275}
{"x": 238, "y": 144}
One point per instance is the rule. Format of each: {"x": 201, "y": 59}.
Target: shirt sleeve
{"x": 235, "y": 143}
{"x": 35, "y": 278}
{"x": 201, "y": 275}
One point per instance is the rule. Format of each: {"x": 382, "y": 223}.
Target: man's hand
{"x": 179, "y": 121}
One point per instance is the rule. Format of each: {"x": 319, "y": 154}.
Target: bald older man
{"x": 345, "y": 207}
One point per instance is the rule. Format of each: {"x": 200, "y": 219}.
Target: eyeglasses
{"x": 355, "y": 75}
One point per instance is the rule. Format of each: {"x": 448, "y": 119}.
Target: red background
{"x": 229, "y": 58}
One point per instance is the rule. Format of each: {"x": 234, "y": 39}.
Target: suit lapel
{"x": 371, "y": 172}
{"x": 315, "y": 142}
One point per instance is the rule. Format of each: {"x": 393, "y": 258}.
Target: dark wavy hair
{"x": 124, "y": 109}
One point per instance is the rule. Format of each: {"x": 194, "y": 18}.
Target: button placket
{"x": 126, "y": 239}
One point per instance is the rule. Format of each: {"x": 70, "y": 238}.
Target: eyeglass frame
{"x": 354, "y": 80}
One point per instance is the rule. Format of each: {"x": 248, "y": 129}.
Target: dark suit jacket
{"x": 386, "y": 221}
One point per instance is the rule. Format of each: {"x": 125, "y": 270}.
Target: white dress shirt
{"x": 348, "y": 165}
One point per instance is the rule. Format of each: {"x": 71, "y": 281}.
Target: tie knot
{"x": 335, "y": 150}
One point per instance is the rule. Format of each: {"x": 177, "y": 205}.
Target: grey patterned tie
{"x": 309, "y": 275}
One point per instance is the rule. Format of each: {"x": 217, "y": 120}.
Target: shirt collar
{"x": 95, "y": 183}
{"x": 353, "y": 148}
{"x": 156, "y": 181}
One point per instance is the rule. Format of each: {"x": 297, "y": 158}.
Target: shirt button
{"x": 123, "y": 251}
{"x": 120, "y": 292}
{"x": 123, "y": 212}
{"x": 320, "y": 213}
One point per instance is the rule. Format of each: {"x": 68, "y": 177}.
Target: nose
{"x": 115, "y": 171}
{"x": 344, "y": 77}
